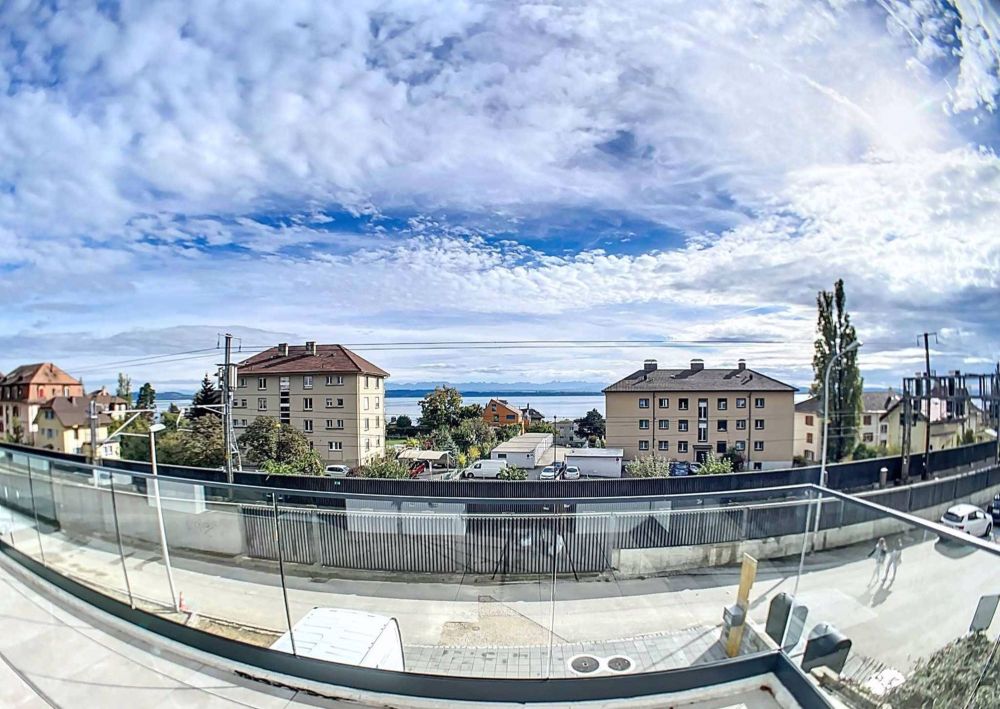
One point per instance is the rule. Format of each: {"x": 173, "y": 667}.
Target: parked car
{"x": 993, "y": 510}
{"x": 694, "y": 468}
{"x": 571, "y": 472}
{"x": 484, "y": 469}
{"x": 680, "y": 467}
{"x": 337, "y": 471}
{"x": 548, "y": 473}
{"x": 969, "y": 519}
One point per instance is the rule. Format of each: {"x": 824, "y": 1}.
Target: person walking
{"x": 895, "y": 559}
{"x": 880, "y": 552}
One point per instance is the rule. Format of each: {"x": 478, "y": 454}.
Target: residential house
{"x": 500, "y": 413}
{"x": 114, "y": 405}
{"x": 808, "y": 429}
{"x": 685, "y": 414}
{"x": 945, "y": 431}
{"x": 531, "y": 416}
{"x": 63, "y": 425}
{"x": 566, "y": 434}
{"x": 331, "y": 394}
{"x": 26, "y": 388}
{"x": 873, "y": 431}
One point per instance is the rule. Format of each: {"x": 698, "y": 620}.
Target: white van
{"x": 484, "y": 469}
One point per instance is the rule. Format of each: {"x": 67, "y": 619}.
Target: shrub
{"x": 716, "y": 466}
{"x": 647, "y": 467}
{"x": 511, "y": 473}
{"x": 384, "y": 468}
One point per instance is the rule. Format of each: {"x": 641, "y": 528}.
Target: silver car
{"x": 548, "y": 473}
{"x": 571, "y": 472}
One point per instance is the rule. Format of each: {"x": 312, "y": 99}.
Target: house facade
{"x": 329, "y": 393}
{"x": 498, "y": 412}
{"x": 873, "y": 431}
{"x": 24, "y": 390}
{"x": 686, "y": 414}
{"x": 808, "y": 430}
{"x": 63, "y": 424}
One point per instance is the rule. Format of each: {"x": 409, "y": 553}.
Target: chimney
{"x": 283, "y": 349}
{"x": 697, "y": 365}
{"x": 741, "y": 364}
{"x": 649, "y": 365}
{"x": 311, "y": 347}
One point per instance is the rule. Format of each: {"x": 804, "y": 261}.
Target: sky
{"x": 450, "y": 170}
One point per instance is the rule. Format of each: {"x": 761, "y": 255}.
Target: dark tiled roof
{"x": 328, "y": 358}
{"x": 72, "y": 411}
{"x": 808, "y": 406}
{"x": 698, "y": 380}
{"x": 877, "y": 400}
{"x": 38, "y": 373}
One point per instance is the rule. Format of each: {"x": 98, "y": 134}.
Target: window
{"x": 663, "y": 424}
{"x": 367, "y": 423}
{"x": 758, "y": 424}
{"x": 868, "y": 420}
{"x": 307, "y": 425}
{"x": 663, "y": 445}
{"x": 262, "y": 382}
{"x": 682, "y": 446}
{"x": 262, "y": 404}
{"x": 722, "y": 404}
{"x": 682, "y": 425}
{"x": 809, "y": 420}
{"x": 682, "y": 404}
{"x": 366, "y": 403}
{"x": 644, "y": 445}
{"x": 340, "y": 423}
{"x": 377, "y": 405}
{"x": 329, "y": 402}
{"x": 307, "y": 381}
{"x": 307, "y": 404}
{"x": 242, "y": 383}
{"x": 758, "y": 403}
{"x": 720, "y": 446}
{"x": 664, "y": 402}
{"x": 643, "y": 403}
{"x": 702, "y": 432}
{"x": 741, "y": 402}
{"x": 758, "y": 466}
{"x": 758, "y": 445}
{"x": 868, "y": 437}
{"x": 335, "y": 446}
{"x": 740, "y": 445}
{"x": 883, "y": 428}
{"x": 368, "y": 382}
{"x": 703, "y": 408}
{"x": 741, "y": 424}
{"x": 643, "y": 424}
{"x": 510, "y": 417}
{"x": 809, "y": 438}
{"x": 722, "y": 425}
{"x": 243, "y": 403}
{"x": 496, "y": 418}
{"x": 332, "y": 380}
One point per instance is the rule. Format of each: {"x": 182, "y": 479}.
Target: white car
{"x": 571, "y": 473}
{"x": 969, "y": 519}
{"x": 548, "y": 473}
{"x": 337, "y": 471}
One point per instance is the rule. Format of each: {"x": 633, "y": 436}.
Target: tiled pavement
{"x": 657, "y": 651}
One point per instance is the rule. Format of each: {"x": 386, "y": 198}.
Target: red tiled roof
{"x": 71, "y": 411}
{"x": 39, "y": 373}
{"x": 328, "y": 358}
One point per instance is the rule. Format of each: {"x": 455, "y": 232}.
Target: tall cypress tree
{"x": 834, "y": 333}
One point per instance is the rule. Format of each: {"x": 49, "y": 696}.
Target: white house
{"x": 523, "y": 451}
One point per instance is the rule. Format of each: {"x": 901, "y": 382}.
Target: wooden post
{"x": 748, "y": 573}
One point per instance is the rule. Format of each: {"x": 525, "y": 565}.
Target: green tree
{"x": 863, "y": 452}
{"x": 384, "y": 468}
{"x": 593, "y": 424}
{"x": 647, "y": 467}
{"x": 736, "y": 459}
{"x": 260, "y": 440}
{"x": 508, "y": 431}
{"x": 441, "y": 407}
{"x": 16, "y": 433}
{"x": 404, "y": 421}
{"x": 202, "y": 443}
{"x": 292, "y": 444}
{"x": 470, "y": 411}
{"x": 716, "y": 466}
{"x": 474, "y": 432}
{"x": 146, "y": 399}
{"x": 124, "y": 389}
{"x": 132, "y": 447}
{"x": 542, "y": 427}
{"x": 834, "y": 333}
{"x": 441, "y": 440}
{"x": 206, "y": 396}
{"x": 968, "y": 436}
{"x": 948, "y": 677}
{"x": 512, "y": 473}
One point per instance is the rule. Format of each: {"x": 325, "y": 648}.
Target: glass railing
{"x": 518, "y": 589}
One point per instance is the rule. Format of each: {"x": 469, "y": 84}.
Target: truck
{"x": 484, "y": 469}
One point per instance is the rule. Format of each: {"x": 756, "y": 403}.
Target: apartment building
{"x": 63, "y": 424}
{"x": 24, "y": 390}
{"x": 808, "y": 429}
{"x": 685, "y": 414}
{"x": 500, "y": 413}
{"x": 331, "y": 394}
{"x": 873, "y": 431}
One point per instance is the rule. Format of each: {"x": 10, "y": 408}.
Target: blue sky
{"x": 459, "y": 170}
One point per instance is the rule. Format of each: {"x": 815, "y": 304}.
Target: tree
{"x": 201, "y": 445}
{"x": 384, "y": 468}
{"x": 441, "y": 407}
{"x": 403, "y": 421}
{"x": 647, "y": 467}
{"x": 474, "y": 432}
{"x": 512, "y": 473}
{"x": 471, "y": 411}
{"x": 146, "y": 399}
{"x": 16, "y": 433}
{"x": 292, "y": 445}
{"x": 863, "y": 452}
{"x": 736, "y": 459}
{"x": 968, "y": 436}
{"x": 948, "y": 677}
{"x": 508, "y": 431}
{"x": 441, "y": 440}
{"x": 716, "y": 466}
{"x": 542, "y": 427}
{"x": 206, "y": 396}
{"x": 593, "y": 424}
{"x": 260, "y": 440}
{"x": 124, "y": 389}
{"x": 834, "y": 333}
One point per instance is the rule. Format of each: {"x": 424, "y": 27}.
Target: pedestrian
{"x": 895, "y": 559}
{"x": 880, "y": 552}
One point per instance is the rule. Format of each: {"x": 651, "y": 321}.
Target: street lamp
{"x": 153, "y": 430}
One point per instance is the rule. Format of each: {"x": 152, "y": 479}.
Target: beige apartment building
{"x": 335, "y": 397}
{"x": 63, "y": 424}
{"x": 808, "y": 429}
{"x": 24, "y": 390}
{"x": 685, "y": 414}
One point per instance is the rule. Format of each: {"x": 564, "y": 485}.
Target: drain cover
{"x": 585, "y": 664}
{"x": 620, "y": 664}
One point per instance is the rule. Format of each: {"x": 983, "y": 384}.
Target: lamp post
{"x": 153, "y": 430}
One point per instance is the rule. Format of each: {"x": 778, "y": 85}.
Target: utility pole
{"x": 92, "y": 418}
{"x": 227, "y": 409}
{"x": 927, "y": 425}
